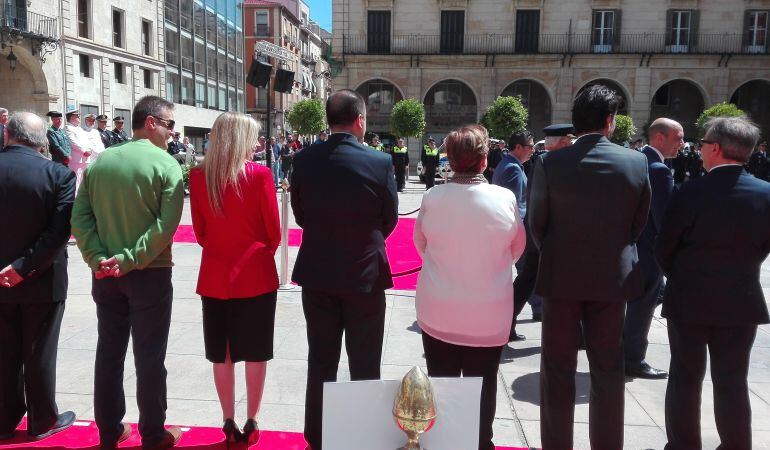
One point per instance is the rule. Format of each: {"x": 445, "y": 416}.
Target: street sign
{"x": 275, "y": 51}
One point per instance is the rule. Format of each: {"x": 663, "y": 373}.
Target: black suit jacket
{"x": 715, "y": 236}
{"x": 588, "y": 206}
{"x": 36, "y": 196}
{"x": 344, "y": 197}
{"x": 661, "y": 184}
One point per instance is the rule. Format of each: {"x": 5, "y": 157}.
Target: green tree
{"x": 407, "y": 119}
{"x": 624, "y": 129}
{"x": 723, "y": 109}
{"x": 505, "y": 116}
{"x": 307, "y": 117}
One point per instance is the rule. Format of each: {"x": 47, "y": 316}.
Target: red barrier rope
{"x": 407, "y": 272}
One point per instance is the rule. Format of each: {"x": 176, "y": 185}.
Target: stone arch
{"x": 30, "y": 86}
{"x": 537, "y": 98}
{"x": 380, "y": 95}
{"x": 679, "y": 99}
{"x": 753, "y": 97}
{"x": 619, "y": 87}
{"x": 703, "y": 92}
{"x": 450, "y": 103}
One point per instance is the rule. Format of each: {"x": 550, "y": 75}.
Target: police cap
{"x": 559, "y": 129}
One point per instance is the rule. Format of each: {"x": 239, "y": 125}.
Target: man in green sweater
{"x": 124, "y": 218}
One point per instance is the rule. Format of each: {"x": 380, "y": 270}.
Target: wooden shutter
{"x": 670, "y": 18}
{"x": 694, "y": 29}
{"x": 616, "y": 29}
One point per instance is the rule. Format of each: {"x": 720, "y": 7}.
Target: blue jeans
{"x": 277, "y": 172}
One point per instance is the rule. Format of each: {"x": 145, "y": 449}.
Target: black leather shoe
{"x": 515, "y": 337}
{"x": 646, "y": 371}
{"x": 64, "y": 421}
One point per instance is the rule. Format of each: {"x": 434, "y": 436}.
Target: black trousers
{"x": 362, "y": 318}
{"x": 400, "y": 177}
{"x": 603, "y": 322}
{"x": 526, "y": 276}
{"x": 430, "y": 175}
{"x": 730, "y": 349}
{"x": 639, "y": 313}
{"x": 137, "y": 304}
{"x": 449, "y": 360}
{"x": 29, "y": 337}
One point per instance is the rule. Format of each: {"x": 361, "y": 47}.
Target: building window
{"x": 212, "y": 96}
{"x": 117, "y": 28}
{"x": 188, "y": 90}
{"x": 211, "y": 27}
{"x": 126, "y": 115}
{"x": 200, "y": 58}
{"x": 172, "y": 87}
{"x": 262, "y": 98}
{"x": 88, "y": 109}
{"x": 221, "y": 68}
{"x": 605, "y": 30}
{"x": 378, "y": 32}
{"x": 199, "y": 19}
{"x": 261, "y": 25}
{"x": 185, "y": 15}
{"x": 120, "y": 72}
{"x": 231, "y": 77}
{"x": 452, "y": 31}
{"x": 755, "y": 32}
{"x": 232, "y": 98}
{"x": 147, "y": 78}
{"x": 211, "y": 63}
{"x": 527, "y": 30}
{"x": 187, "y": 52}
{"x": 680, "y": 24}
{"x": 146, "y": 37}
{"x": 84, "y": 19}
{"x": 172, "y": 47}
{"x": 172, "y": 11}
{"x": 200, "y": 94}
{"x": 85, "y": 65}
{"x": 222, "y": 99}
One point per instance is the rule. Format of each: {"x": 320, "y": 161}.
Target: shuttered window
{"x": 452, "y": 31}
{"x": 527, "y": 30}
{"x": 378, "y": 33}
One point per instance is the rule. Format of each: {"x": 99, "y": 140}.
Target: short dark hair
{"x": 150, "y": 105}
{"x": 343, "y": 107}
{"x": 519, "y": 138}
{"x": 466, "y": 148}
{"x": 592, "y": 106}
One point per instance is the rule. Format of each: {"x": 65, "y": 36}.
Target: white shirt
{"x": 80, "y": 142}
{"x": 96, "y": 144}
{"x": 469, "y": 236}
{"x": 724, "y": 165}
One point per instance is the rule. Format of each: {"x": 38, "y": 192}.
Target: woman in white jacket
{"x": 469, "y": 235}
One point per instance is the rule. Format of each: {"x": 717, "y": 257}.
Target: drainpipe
{"x": 63, "y": 54}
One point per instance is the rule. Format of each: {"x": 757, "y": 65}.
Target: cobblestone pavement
{"x": 193, "y": 399}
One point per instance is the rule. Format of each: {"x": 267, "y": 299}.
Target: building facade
{"x": 665, "y": 57}
{"x": 285, "y": 23}
{"x": 202, "y": 42}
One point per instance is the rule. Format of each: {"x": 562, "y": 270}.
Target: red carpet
{"x": 84, "y": 435}
{"x": 400, "y": 247}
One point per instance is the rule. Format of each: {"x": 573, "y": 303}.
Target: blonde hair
{"x": 232, "y": 141}
{"x": 467, "y": 149}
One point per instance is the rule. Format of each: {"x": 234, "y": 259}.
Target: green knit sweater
{"x": 129, "y": 205}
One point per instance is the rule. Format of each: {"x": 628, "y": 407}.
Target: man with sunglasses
{"x": 128, "y": 248}
{"x": 713, "y": 240}
{"x": 509, "y": 173}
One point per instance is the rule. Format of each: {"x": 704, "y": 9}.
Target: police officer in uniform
{"x": 104, "y": 133}
{"x": 429, "y": 159}
{"x": 118, "y": 135}
{"x": 376, "y": 144}
{"x": 58, "y": 143}
{"x": 400, "y": 163}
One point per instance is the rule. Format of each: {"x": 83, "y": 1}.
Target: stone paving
{"x": 193, "y": 399}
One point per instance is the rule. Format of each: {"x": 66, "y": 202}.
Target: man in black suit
{"x": 3, "y": 120}
{"x": 666, "y": 138}
{"x": 344, "y": 197}
{"x": 36, "y": 195}
{"x": 714, "y": 238}
{"x": 588, "y": 205}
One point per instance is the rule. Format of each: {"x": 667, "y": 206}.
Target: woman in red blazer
{"x": 235, "y": 218}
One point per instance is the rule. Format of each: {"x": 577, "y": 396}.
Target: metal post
{"x": 284, "y": 281}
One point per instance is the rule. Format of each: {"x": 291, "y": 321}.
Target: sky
{"x": 321, "y": 12}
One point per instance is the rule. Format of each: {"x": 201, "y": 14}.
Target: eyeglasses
{"x": 167, "y": 123}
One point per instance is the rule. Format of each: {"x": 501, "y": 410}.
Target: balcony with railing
{"x": 21, "y": 22}
{"x": 523, "y": 43}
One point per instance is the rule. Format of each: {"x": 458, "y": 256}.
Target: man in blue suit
{"x": 344, "y": 197}
{"x": 666, "y": 138}
{"x": 510, "y": 174}
{"x": 713, "y": 240}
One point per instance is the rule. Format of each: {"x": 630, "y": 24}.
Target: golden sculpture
{"x": 415, "y": 407}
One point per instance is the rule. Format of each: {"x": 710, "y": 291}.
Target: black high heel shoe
{"x": 251, "y": 432}
{"x": 231, "y": 432}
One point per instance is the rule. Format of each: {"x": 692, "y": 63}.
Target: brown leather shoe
{"x": 122, "y": 438}
{"x": 170, "y": 439}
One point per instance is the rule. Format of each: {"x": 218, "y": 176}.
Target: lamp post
{"x": 12, "y": 59}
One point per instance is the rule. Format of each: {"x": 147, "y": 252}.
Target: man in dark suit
{"x": 344, "y": 197}
{"x": 588, "y": 205}
{"x": 36, "y": 195}
{"x": 714, "y": 238}
{"x": 666, "y": 138}
{"x": 509, "y": 174}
